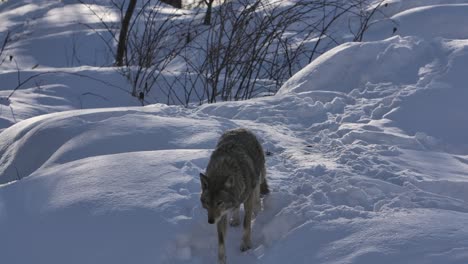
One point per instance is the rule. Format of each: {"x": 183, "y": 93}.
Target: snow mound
{"x": 68, "y": 136}
{"x": 396, "y": 6}
{"x": 425, "y": 21}
{"x": 353, "y": 65}
{"x": 49, "y": 90}
{"x": 94, "y": 212}
{"x": 434, "y": 21}
{"x": 57, "y": 34}
{"x": 439, "y": 112}
{"x": 416, "y": 84}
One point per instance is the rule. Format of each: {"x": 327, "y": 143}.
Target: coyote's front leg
{"x": 235, "y": 218}
{"x": 222, "y": 228}
{"x": 248, "y": 208}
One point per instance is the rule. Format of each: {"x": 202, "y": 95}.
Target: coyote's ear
{"x": 229, "y": 182}
{"x": 204, "y": 181}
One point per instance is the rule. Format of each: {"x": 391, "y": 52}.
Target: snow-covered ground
{"x": 368, "y": 158}
{"x": 56, "y": 60}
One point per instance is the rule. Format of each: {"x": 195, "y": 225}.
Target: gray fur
{"x": 235, "y": 175}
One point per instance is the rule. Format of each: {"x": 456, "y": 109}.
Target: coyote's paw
{"x": 222, "y": 260}
{"x": 245, "y": 245}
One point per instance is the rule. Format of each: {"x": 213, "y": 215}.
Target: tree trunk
{"x": 209, "y": 4}
{"x": 174, "y": 3}
{"x": 122, "y": 45}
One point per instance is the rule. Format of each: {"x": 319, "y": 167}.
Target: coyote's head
{"x": 216, "y": 197}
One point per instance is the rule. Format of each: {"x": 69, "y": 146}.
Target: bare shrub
{"x": 248, "y": 48}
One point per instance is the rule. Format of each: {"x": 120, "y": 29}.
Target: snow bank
{"x": 46, "y": 34}
{"x": 353, "y": 65}
{"x": 421, "y": 84}
{"x": 120, "y": 185}
{"x": 396, "y": 6}
{"x": 426, "y": 21}
{"x": 50, "y": 90}
{"x": 68, "y": 136}
{"x": 115, "y": 208}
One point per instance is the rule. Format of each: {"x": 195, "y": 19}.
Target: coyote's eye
{"x": 203, "y": 201}
{"x": 219, "y": 203}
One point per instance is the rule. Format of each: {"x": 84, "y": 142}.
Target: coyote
{"x": 235, "y": 174}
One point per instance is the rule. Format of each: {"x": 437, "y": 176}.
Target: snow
{"x": 358, "y": 64}
{"x": 60, "y": 90}
{"x": 428, "y": 21}
{"x": 56, "y": 34}
{"x": 367, "y": 154}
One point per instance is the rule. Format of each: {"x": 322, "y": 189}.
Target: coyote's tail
{"x": 263, "y": 182}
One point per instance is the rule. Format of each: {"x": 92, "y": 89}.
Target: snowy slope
{"x": 368, "y": 163}
{"x": 57, "y": 58}
{"x": 56, "y": 33}
{"x": 441, "y": 19}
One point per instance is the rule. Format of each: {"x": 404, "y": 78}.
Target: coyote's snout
{"x": 235, "y": 174}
